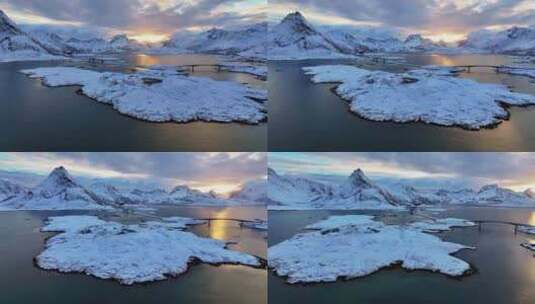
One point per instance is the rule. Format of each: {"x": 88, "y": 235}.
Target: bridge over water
{"x": 515, "y": 225}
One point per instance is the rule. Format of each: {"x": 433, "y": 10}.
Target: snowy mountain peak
{"x": 296, "y": 19}
{"x": 513, "y": 40}
{"x": 60, "y": 175}
{"x": 7, "y": 26}
{"x": 58, "y": 180}
{"x": 359, "y": 179}
{"x": 492, "y": 187}
{"x": 255, "y": 191}
{"x": 517, "y": 32}
{"x": 181, "y": 188}
{"x": 120, "y": 41}
{"x": 296, "y": 22}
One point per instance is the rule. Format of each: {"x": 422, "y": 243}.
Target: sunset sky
{"x": 222, "y": 172}
{"x": 146, "y": 20}
{"x": 472, "y": 170}
{"x": 448, "y": 20}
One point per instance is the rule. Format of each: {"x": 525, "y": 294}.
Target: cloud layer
{"x": 426, "y": 16}
{"x": 201, "y": 170}
{"x": 142, "y": 15}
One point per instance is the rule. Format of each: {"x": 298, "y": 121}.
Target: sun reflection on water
{"x": 531, "y": 220}
{"x": 219, "y": 229}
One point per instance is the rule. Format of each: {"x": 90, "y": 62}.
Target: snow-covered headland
{"x": 424, "y": 95}
{"x": 163, "y": 95}
{"x": 358, "y": 192}
{"x": 137, "y": 253}
{"x": 358, "y": 245}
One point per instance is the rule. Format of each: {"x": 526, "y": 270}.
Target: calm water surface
{"x": 22, "y": 282}
{"x": 309, "y": 117}
{"x": 38, "y": 118}
{"x": 505, "y": 270}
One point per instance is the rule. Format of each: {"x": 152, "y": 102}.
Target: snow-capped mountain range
{"x": 294, "y": 38}
{"x": 359, "y": 192}
{"x": 247, "y": 42}
{"x": 253, "y": 191}
{"x": 60, "y": 191}
{"x": 515, "y": 40}
{"x": 10, "y": 189}
{"x": 41, "y": 43}
{"x": 15, "y": 42}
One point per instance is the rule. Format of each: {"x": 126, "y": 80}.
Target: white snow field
{"x": 260, "y": 71}
{"x": 346, "y": 247}
{"x": 527, "y": 229}
{"x": 420, "y": 96}
{"x": 131, "y": 253}
{"x": 438, "y": 225}
{"x": 256, "y": 224}
{"x": 163, "y": 95}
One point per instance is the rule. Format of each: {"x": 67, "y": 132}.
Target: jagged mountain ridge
{"x": 15, "y": 40}
{"x": 253, "y": 191}
{"x": 295, "y": 34}
{"x": 60, "y": 191}
{"x": 295, "y": 37}
{"x": 248, "y": 41}
{"x": 514, "y": 40}
{"x": 10, "y": 189}
{"x": 358, "y": 191}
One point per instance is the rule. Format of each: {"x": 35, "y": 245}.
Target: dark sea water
{"x": 310, "y": 117}
{"x": 505, "y": 271}
{"x": 22, "y": 282}
{"x": 38, "y": 118}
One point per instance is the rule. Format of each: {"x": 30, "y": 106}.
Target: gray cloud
{"x": 426, "y": 15}
{"x": 161, "y": 168}
{"x": 475, "y": 168}
{"x": 133, "y": 14}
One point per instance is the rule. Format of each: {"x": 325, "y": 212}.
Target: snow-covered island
{"x": 358, "y": 246}
{"x": 60, "y": 191}
{"x": 287, "y": 192}
{"x": 163, "y": 95}
{"x": 431, "y": 96}
{"x": 134, "y": 253}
